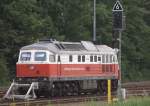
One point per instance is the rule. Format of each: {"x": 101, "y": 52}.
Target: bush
{"x": 3, "y": 72}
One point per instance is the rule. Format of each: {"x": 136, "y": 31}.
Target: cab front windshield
{"x": 25, "y": 56}
{"x": 40, "y": 56}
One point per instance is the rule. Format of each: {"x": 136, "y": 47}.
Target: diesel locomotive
{"x": 66, "y": 68}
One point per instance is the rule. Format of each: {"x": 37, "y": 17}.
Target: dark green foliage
{"x": 23, "y": 22}
{"x": 3, "y": 71}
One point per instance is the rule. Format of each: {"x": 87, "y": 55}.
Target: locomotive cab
{"x": 33, "y": 56}
{"x": 35, "y": 64}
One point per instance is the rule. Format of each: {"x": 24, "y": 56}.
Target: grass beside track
{"x": 143, "y": 101}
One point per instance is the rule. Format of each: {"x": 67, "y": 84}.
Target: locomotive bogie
{"x": 75, "y": 87}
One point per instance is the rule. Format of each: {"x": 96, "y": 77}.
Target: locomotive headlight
{"x": 20, "y": 79}
{"x": 31, "y": 67}
{"x": 45, "y": 79}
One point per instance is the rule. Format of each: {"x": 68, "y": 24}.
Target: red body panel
{"x": 66, "y": 70}
{"x": 32, "y": 70}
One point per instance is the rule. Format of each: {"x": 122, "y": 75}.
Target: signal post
{"x": 118, "y": 27}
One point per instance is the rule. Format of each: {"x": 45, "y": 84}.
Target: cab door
{"x": 58, "y": 66}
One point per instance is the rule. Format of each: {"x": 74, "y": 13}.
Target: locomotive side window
{"x": 70, "y": 58}
{"x": 51, "y": 58}
{"x": 103, "y": 58}
{"x": 91, "y": 58}
{"x": 79, "y": 58}
{"x": 95, "y": 58}
{"x": 25, "y": 56}
{"x": 99, "y": 58}
{"x": 107, "y": 58}
{"x": 83, "y": 58}
{"x": 40, "y": 56}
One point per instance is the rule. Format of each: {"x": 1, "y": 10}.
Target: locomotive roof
{"x": 62, "y": 47}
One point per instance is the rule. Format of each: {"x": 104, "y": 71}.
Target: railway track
{"x": 133, "y": 89}
{"x": 137, "y": 88}
{"x": 2, "y": 93}
{"x": 60, "y": 100}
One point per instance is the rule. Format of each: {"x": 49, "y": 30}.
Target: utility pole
{"x": 118, "y": 21}
{"x": 94, "y": 22}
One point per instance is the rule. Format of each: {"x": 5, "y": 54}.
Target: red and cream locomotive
{"x": 67, "y": 68}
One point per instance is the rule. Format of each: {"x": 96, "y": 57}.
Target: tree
{"x": 23, "y": 22}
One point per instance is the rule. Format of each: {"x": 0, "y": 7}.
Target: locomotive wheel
{"x": 75, "y": 88}
{"x": 55, "y": 90}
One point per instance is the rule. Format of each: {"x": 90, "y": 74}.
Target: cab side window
{"x": 51, "y": 58}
